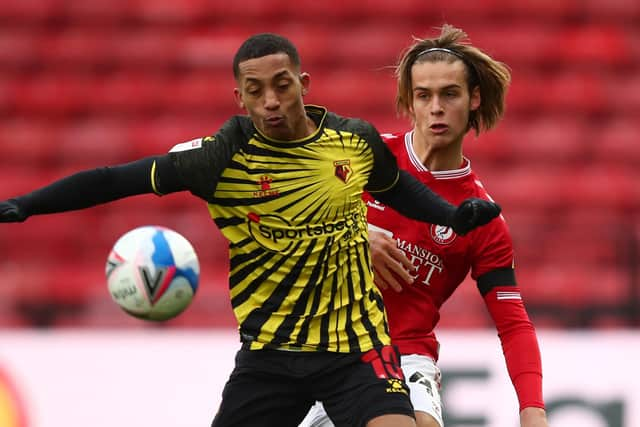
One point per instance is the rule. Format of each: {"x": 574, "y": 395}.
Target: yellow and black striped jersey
{"x": 300, "y": 273}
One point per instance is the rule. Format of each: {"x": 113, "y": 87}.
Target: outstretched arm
{"x": 519, "y": 343}
{"x": 415, "y": 200}
{"x": 93, "y": 187}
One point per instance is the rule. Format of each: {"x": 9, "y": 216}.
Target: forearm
{"x": 89, "y": 188}
{"x": 519, "y": 345}
{"x": 414, "y": 200}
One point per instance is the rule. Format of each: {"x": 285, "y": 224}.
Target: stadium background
{"x": 84, "y": 84}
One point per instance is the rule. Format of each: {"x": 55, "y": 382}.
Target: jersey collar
{"x": 317, "y": 113}
{"x": 448, "y": 174}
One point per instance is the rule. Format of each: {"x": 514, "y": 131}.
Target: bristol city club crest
{"x": 343, "y": 170}
{"x": 442, "y": 234}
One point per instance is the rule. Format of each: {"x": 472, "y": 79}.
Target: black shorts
{"x": 277, "y": 388}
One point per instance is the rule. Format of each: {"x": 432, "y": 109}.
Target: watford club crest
{"x": 343, "y": 170}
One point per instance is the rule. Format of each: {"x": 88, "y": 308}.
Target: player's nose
{"x": 271, "y": 100}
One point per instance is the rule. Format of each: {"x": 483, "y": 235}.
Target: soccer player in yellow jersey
{"x": 284, "y": 184}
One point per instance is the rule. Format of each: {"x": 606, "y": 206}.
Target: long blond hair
{"x": 491, "y": 76}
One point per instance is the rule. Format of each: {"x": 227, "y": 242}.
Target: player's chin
{"x": 280, "y": 131}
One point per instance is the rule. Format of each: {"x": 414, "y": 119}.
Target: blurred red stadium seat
{"x": 529, "y": 43}
{"x": 19, "y": 179}
{"x": 577, "y": 91}
{"x": 547, "y": 138}
{"x": 76, "y": 284}
{"x": 27, "y": 143}
{"x": 549, "y": 10}
{"x": 605, "y": 45}
{"x": 51, "y": 94}
{"x": 573, "y": 286}
{"x": 104, "y": 11}
{"x": 159, "y": 134}
{"x": 167, "y": 11}
{"x": 534, "y": 187}
{"x": 58, "y": 237}
{"x": 195, "y": 91}
{"x": 29, "y": 11}
{"x": 557, "y": 188}
{"x": 78, "y": 47}
{"x": 601, "y": 185}
{"x": 352, "y": 95}
{"x": 9, "y": 318}
{"x": 93, "y": 143}
{"x": 625, "y": 90}
{"x": 618, "y": 11}
{"x": 17, "y": 49}
{"x": 616, "y": 142}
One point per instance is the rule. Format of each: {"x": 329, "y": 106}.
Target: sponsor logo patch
{"x": 189, "y": 145}
{"x": 442, "y": 235}
{"x": 265, "y": 182}
{"x": 396, "y": 386}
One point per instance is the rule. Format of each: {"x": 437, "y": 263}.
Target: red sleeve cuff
{"x": 529, "y": 389}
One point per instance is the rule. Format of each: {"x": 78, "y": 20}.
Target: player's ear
{"x": 474, "y": 102}
{"x": 238, "y": 97}
{"x": 305, "y": 81}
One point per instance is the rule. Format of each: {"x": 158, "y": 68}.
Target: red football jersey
{"x": 442, "y": 258}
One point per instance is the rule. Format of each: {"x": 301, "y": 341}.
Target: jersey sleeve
{"x": 200, "y": 162}
{"x": 385, "y": 171}
{"x": 519, "y": 343}
{"x": 492, "y": 249}
{"x": 493, "y": 269}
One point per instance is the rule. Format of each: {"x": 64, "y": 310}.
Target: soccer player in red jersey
{"x": 447, "y": 87}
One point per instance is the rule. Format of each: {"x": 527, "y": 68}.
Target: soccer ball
{"x": 152, "y": 273}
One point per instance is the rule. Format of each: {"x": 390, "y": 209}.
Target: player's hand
{"x": 390, "y": 265}
{"x": 10, "y": 212}
{"x": 533, "y": 417}
{"x": 473, "y": 213}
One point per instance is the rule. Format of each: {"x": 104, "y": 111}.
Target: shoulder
{"x": 238, "y": 126}
{"x": 350, "y": 124}
{"x": 499, "y": 225}
{"x": 393, "y": 137}
{"x": 479, "y": 188}
{"x": 188, "y": 145}
{"x": 394, "y": 140}
{"x": 236, "y": 129}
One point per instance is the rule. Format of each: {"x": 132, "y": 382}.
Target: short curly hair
{"x": 264, "y": 44}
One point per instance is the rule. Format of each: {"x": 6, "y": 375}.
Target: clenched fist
{"x": 473, "y": 213}
{"x": 10, "y": 212}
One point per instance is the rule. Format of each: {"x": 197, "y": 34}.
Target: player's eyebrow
{"x": 451, "y": 86}
{"x": 280, "y": 74}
